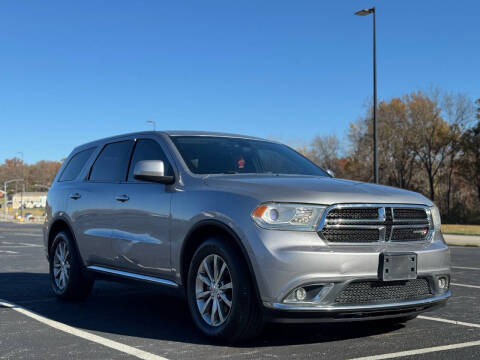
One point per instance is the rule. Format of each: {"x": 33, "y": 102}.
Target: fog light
{"x": 300, "y": 294}
{"x": 442, "y": 283}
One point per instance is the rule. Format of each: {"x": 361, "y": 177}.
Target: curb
{"x": 461, "y": 240}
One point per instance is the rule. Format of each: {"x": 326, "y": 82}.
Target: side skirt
{"x": 133, "y": 276}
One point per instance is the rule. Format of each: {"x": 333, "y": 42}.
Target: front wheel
{"x": 221, "y": 296}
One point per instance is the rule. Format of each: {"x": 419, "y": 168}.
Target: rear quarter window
{"x": 75, "y": 165}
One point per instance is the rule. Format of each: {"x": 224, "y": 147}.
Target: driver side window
{"x": 147, "y": 149}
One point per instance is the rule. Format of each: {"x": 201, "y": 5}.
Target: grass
{"x": 461, "y": 229}
{"x": 34, "y": 212}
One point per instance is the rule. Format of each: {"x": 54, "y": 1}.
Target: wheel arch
{"x": 199, "y": 233}
{"x": 58, "y": 225}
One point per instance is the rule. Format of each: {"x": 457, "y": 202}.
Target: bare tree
{"x": 470, "y": 159}
{"x": 325, "y": 152}
{"x": 458, "y": 111}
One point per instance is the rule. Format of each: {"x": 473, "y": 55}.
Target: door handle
{"x": 75, "y": 196}
{"x": 122, "y": 198}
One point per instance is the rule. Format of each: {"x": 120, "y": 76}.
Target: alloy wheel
{"x": 61, "y": 265}
{"x": 213, "y": 290}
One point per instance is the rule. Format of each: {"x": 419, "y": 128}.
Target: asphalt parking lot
{"x": 129, "y": 321}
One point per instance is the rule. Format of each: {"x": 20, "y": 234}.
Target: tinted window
{"x": 222, "y": 155}
{"x": 147, "y": 149}
{"x": 75, "y": 165}
{"x": 111, "y": 164}
{"x": 273, "y": 163}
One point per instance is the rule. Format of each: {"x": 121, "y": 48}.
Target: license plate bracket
{"x": 397, "y": 266}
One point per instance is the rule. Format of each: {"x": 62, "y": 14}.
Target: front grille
{"x": 409, "y": 214}
{"x": 351, "y": 235}
{"x": 370, "y": 223}
{"x": 353, "y": 213}
{"x": 409, "y": 234}
{"x": 371, "y": 292}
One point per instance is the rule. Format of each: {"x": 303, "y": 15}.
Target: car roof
{"x": 168, "y": 133}
{"x": 207, "y": 133}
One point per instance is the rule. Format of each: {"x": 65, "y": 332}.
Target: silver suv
{"x": 247, "y": 229}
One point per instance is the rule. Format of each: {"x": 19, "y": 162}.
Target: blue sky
{"x": 72, "y": 72}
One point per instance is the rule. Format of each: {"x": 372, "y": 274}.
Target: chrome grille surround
{"x": 409, "y": 221}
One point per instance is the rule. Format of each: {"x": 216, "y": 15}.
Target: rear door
{"x": 141, "y": 241}
{"x": 92, "y": 206}
{"x": 66, "y": 187}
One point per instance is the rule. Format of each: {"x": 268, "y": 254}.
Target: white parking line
{"x": 465, "y": 285}
{"x": 420, "y": 351}
{"x": 83, "y": 334}
{"x": 8, "y": 252}
{"x": 18, "y": 244}
{"x": 430, "y": 349}
{"x": 39, "y": 234}
{"x": 465, "y": 268}
{"x": 38, "y": 300}
{"x": 449, "y": 321}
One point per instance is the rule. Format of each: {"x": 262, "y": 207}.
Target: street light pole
{"x": 5, "y": 199}
{"x": 23, "y": 186}
{"x": 5, "y": 194}
{"x": 375, "y": 147}
{"x": 154, "y": 123}
{"x": 365, "y": 12}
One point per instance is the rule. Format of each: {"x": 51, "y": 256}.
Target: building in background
{"x": 31, "y": 200}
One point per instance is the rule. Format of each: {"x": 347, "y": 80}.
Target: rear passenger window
{"x": 148, "y": 149}
{"x": 111, "y": 164}
{"x": 75, "y": 165}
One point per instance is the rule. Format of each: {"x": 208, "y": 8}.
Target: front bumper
{"x": 285, "y": 260}
{"x": 280, "y": 312}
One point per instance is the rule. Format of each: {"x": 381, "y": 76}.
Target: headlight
{"x": 437, "y": 222}
{"x": 277, "y": 216}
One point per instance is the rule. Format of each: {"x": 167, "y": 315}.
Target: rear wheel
{"x": 66, "y": 276}
{"x": 221, "y": 297}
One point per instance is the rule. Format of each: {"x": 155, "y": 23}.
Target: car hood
{"x": 314, "y": 190}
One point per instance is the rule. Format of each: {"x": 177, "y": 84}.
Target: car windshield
{"x": 224, "y": 155}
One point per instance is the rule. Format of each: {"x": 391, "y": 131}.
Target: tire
{"x": 243, "y": 319}
{"x": 73, "y": 284}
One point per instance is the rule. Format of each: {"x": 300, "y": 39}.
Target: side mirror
{"x": 330, "y": 172}
{"x": 152, "y": 170}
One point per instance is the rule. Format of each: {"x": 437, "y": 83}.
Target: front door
{"x": 141, "y": 239}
